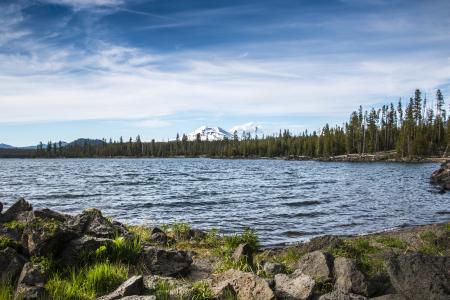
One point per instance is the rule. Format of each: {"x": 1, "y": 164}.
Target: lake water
{"x": 285, "y": 201}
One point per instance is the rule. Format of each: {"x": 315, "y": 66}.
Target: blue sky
{"x": 110, "y": 68}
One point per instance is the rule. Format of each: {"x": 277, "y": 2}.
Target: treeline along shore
{"x": 408, "y": 131}
{"x": 45, "y": 254}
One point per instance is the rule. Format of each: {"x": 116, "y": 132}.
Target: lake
{"x": 284, "y": 201}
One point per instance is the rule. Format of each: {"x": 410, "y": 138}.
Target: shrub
{"x": 201, "y": 291}
{"x": 88, "y": 282}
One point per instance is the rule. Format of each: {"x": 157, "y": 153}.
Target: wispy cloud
{"x": 83, "y": 4}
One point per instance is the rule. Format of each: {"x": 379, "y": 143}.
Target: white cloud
{"x": 79, "y": 4}
{"x": 153, "y": 123}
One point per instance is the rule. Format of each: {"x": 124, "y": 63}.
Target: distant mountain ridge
{"x": 5, "y": 146}
{"x": 209, "y": 134}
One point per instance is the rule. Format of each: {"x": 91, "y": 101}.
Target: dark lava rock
{"x": 420, "y": 276}
{"x": 321, "y": 243}
{"x": 1, "y": 207}
{"x": 273, "y": 268}
{"x": 133, "y": 286}
{"x": 31, "y": 282}
{"x": 166, "y": 262}
{"x": 46, "y": 236}
{"x": 11, "y": 264}
{"x": 441, "y": 176}
{"x": 339, "y": 295}
{"x": 158, "y": 236}
{"x": 92, "y": 222}
{"x": 20, "y": 207}
{"x": 76, "y": 248}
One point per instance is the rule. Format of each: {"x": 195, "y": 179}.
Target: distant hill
{"x": 5, "y": 146}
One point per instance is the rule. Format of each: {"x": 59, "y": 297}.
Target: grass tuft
{"x": 201, "y": 291}
{"x": 88, "y": 282}
{"x": 391, "y": 242}
{"x": 6, "y": 242}
{"x": 6, "y": 291}
{"x": 430, "y": 244}
{"x": 15, "y": 225}
{"x": 162, "y": 290}
{"x": 249, "y": 237}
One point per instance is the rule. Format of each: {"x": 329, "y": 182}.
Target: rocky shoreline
{"x": 48, "y": 255}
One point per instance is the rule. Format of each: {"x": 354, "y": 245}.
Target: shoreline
{"x": 44, "y": 252}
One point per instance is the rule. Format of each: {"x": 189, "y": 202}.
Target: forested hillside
{"x": 419, "y": 127}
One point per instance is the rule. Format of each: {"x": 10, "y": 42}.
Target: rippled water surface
{"x": 284, "y": 201}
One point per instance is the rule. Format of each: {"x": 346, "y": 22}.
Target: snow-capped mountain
{"x": 210, "y": 134}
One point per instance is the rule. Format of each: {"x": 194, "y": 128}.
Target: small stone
{"x": 133, "y": 286}
{"x": 340, "y": 295}
{"x": 297, "y": 286}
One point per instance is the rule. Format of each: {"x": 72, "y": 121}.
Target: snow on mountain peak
{"x": 209, "y": 134}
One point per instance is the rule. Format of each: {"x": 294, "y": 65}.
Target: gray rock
{"x": 317, "y": 264}
{"x": 296, "y": 286}
{"x": 166, "y": 262}
{"x": 75, "y": 249}
{"x": 246, "y": 285}
{"x": 339, "y": 295}
{"x": 349, "y": 279}
{"x": 133, "y": 286}
{"x": 158, "y": 236}
{"x": 1, "y": 207}
{"x": 243, "y": 252}
{"x": 47, "y": 214}
{"x": 441, "y": 176}
{"x": 11, "y": 264}
{"x": 321, "y": 242}
{"x": 390, "y": 297}
{"x": 46, "y": 236}
{"x": 419, "y": 276}
{"x": 224, "y": 291}
{"x": 273, "y": 268}
{"x": 31, "y": 282}
{"x": 92, "y": 222}
{"x": 19, "y": 207}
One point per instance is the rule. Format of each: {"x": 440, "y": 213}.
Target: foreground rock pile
{"x": 441, "y": 176}
{"x": 327, "y": 268}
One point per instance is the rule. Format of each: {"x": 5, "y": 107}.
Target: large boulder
{"x": 179, "y": 288}
{"x": 133, "y": 286}
{"x": 46, "y": 236}
{"x": 296, "y": 286}
{"x": 321, "y": 242}
{"x": 317, "y": 264}
{"x": 340, "y": 295}
{"x": 80, "y": 248}
{"x": 158, "y": 236}
{"x": 246, "y": 285}
{"x": 20, "y": 210}
{"x": 166, "y": 262}
{"x": 419, "y": 276}
{"x": 31, "y": 282}
{"x": 1, "y": 207}
{"x": 92, "y": 222}
{"x": 11, "y": 264}
{"x": 441, "y": 176}
{"x": 349, "y": 279}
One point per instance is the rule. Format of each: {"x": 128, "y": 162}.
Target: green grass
{"x": 6, "y": 242}
{"x": 213, "y": 238}
{"x": 49, "y": 226}
{"x": 46, "y": 264}
{"x": 364, "y": 253}
{"x": 121, "y": 250}
{"x": 162, "y": 290}
{"x": 429, "y": 245}
{"x": 142, "y": 232}
{"x": 447, "y": 228}
{"x": 228, "y": 263}
{"x": 15, "y": 225}
{"x": 201, "y": 291}
{"x": 6, "y": 291}
{"x": 249, "y": 237}
{"x": 391, "y": 242}
{"x": 88, "y": 282}
{"x": 179, "y": 230}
